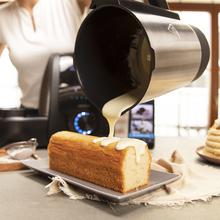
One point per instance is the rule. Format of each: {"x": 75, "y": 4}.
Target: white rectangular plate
{"x": 157, "y": 180}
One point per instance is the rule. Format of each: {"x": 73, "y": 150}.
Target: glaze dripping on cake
{"x": 107, "y": 165}
{"x": 123, "y": 143}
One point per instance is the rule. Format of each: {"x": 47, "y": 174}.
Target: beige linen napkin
{"x": 197, "y": 182}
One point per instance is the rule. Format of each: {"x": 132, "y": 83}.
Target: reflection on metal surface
{"x": 22, "y": 150}
{"x": 177, "y": 52}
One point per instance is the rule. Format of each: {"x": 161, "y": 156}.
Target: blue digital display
{"x": 77, "y": 123}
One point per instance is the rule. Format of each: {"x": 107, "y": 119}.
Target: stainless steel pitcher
{"x": 126, "y": 45}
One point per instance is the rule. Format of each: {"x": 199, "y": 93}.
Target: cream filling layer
{"x": 212, "y": 150}
{"x": 213, "y": 139}
{"x": 214, "y": 145}
{"x": 213, "y": 131}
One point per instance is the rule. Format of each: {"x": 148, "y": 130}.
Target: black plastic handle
{"x": 157, "y": 3}
{"x": 97, "y": 3}
{"x": 156, "y": 7}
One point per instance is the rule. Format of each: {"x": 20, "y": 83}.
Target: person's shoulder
{"x": 7, "y": 8}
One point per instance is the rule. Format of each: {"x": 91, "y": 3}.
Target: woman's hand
{"x": 83, "y": 4}
{"x": 2, "y": 46}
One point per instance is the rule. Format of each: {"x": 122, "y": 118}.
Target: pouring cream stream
{"x": 112, "y": 111}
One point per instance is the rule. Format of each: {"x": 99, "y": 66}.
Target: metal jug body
{"x": 178, "y": 54}
{"x": 126, "y": 46}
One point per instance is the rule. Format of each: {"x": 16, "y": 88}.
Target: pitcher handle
{"x": 98, "y": 3}
{"x": 157, "y": 3}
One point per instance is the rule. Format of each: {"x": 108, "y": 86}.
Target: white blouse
{"x": 56, "y": 22}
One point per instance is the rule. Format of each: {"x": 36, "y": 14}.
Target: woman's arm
{"x": 83, "y": 4}
{"x": 2, "y": 46}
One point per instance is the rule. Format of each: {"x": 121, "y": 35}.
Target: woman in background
{"x": 33, "y": 30}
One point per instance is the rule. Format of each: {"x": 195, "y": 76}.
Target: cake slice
{"x": 77, "y": 155}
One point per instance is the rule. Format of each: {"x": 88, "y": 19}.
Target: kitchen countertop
{"x": 23, "y": 196}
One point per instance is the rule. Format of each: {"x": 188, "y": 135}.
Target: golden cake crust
{"x": 77, "y": 155}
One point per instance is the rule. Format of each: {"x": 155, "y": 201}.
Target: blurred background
{"x": 185, "y": 112}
